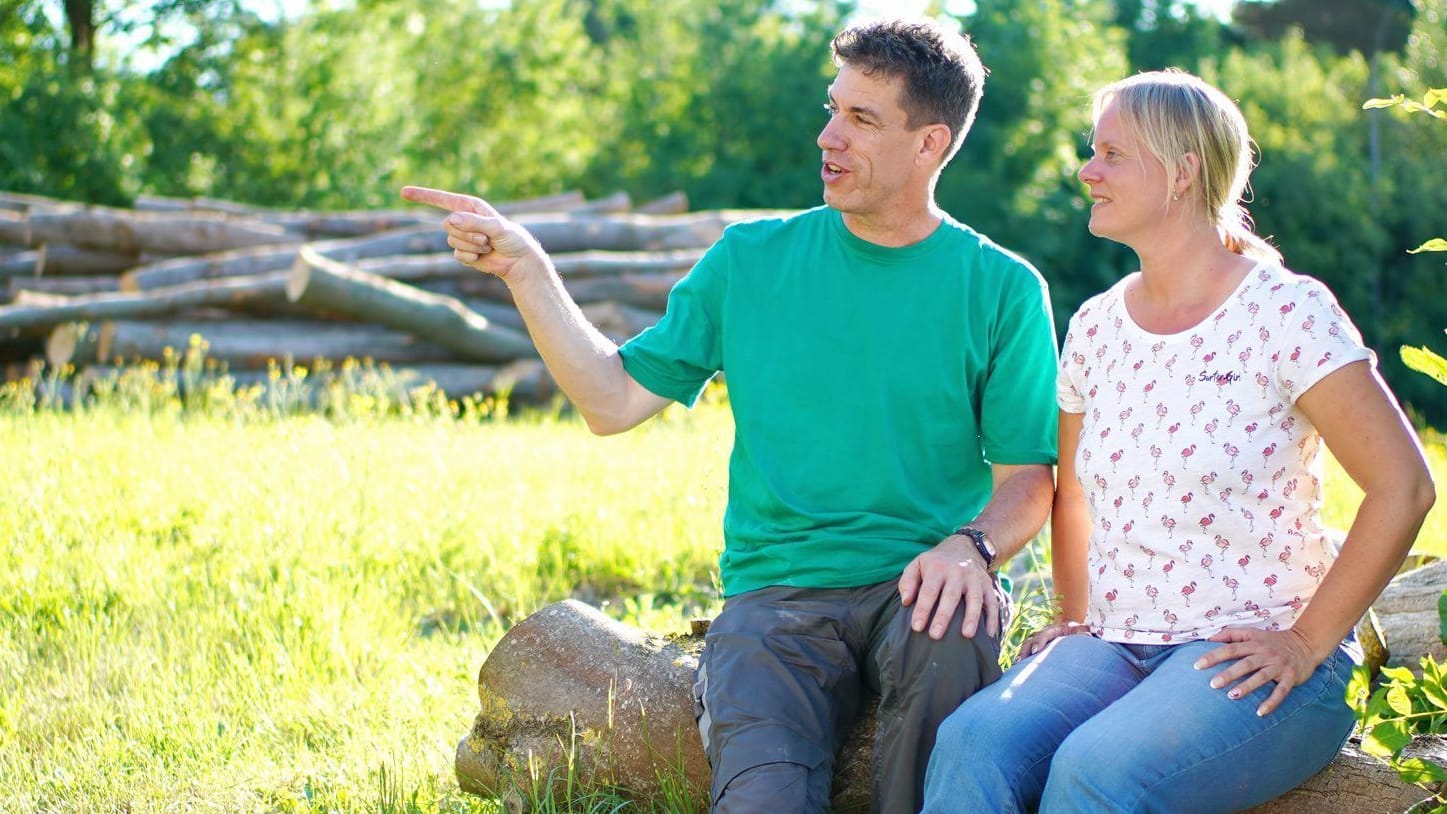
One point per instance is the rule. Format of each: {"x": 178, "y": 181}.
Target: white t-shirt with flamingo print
{"x": 1200, "y": 472}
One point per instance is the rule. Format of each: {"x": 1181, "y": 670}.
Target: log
{"x": 14, "y": 228}
{"x": 123, "y": 230}
{"x": 646, "y": 290}
{"x": 570, "y": 678}
{"x": 23, "y": 202}
{"x": 240, "y": 344}
{"x": 156, "y": 302}
{"x": 65, "y": 286}
{"x": 617, "y": 321}
{"x": 674, "y": 203}
{"x": 1407, "y": 613}
{"x": 443, "y": 265}
{"x": 571, "y": 233}
{"x": 261, "y": 260}
{"x": 63, "y": 260}
{"x": 558, "y": 234}
{"x": 328, "y": 285}
{"x": 1357, "y": 783}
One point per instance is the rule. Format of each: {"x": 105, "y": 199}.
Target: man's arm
{"x": 585, "y": 364}
{"x": 938, "y": 581}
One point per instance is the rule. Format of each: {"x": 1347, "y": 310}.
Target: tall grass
{"x": 223, "y": 600}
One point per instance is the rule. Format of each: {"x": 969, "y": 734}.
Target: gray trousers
{"x": 781, "y": 680}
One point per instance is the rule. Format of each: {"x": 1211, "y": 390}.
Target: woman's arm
{"x": 1070, "y": 527}
{"x": 1069, "y": 538}
{"x": 1367, "y": 432}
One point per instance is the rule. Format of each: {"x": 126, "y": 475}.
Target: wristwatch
{"x": 982, "y": 544}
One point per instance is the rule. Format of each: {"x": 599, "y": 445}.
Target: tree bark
{"x": 156, "y": 302}
{"x": 328, "y": 285}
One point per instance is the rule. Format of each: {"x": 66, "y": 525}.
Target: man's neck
{"x": 895, "y": 229}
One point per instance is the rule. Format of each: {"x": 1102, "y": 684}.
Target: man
{"x": 891, "y": 375}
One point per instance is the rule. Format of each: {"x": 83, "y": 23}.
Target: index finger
{"x": 451, "y": 201}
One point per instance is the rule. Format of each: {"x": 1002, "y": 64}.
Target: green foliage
{"x": 1421, "y": 359}
{"x": 1405, "y": 705}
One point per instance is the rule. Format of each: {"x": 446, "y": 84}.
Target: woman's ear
{"x": 1188, "y": 169}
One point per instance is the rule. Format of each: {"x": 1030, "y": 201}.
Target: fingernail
{"x": 1233, "y": 695}
{"x": 454, "y": 220}
{"x": 1260, "y": 712}
{"x": 1201, "y": 664}
{"x": 1215, "y": 683}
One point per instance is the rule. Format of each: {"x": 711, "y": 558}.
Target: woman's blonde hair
{"x": 1173, "y": 113}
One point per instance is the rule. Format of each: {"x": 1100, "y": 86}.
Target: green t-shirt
{"x": 871, "y": 388}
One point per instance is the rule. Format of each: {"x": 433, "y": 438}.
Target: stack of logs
{"x": 92, "y": 287}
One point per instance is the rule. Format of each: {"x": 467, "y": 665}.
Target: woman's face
{"x": 1129, "y": 188}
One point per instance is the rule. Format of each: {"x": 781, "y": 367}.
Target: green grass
{"x": 230, "y": 604}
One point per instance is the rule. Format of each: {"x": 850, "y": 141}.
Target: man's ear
{"x": 936, "y": 143}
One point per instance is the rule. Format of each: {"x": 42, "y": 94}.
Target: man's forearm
{"x": 1018, "y": 506}
{"x": 584, "y": 362}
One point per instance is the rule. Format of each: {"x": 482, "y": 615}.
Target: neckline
{"x": 888, "y": 254}
{"x": 1130, "y": 321}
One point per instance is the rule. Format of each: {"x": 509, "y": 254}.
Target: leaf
{"x": 1433, "y": 96}
{"x": 1386, "y": 739}
{"x": 1442, "y": 617}
{"x": 1436, "y": 244}
{"x": 1418, "y": 771}
{"x": 1400, "y": 674}
{"x": 1436, "y": 693}
{"x": 1399, "y": 701}
{"x": 1373, "y": 104}
{"x": 1359, "y": 688}
{"x": 1425, "y": 361}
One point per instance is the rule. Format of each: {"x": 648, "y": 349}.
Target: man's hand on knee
{"x": 947, "y": 577}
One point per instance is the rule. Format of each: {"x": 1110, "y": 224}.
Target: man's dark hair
{"x": 942, "y": 75}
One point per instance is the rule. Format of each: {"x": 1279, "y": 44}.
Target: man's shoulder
{"x": 990, "y": 255}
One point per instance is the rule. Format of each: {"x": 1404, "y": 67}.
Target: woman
{"x": 1215, "y": 623}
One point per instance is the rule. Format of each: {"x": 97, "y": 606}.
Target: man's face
{"x": 870, "y": 156}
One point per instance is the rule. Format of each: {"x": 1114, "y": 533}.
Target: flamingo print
{"x": 1230, "y": 582}
{"x": 1187, "y": 590}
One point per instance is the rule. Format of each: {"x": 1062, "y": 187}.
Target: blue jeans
{"x": 1096, "y": 726}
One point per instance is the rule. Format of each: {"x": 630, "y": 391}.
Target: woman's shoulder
{"x": 1101, "y": 305}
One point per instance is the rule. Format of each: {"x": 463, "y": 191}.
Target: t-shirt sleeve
{"x": 1069, "y": 382}
{"x": 1322, "y": 339}
{"x": 676, "y": 357}
{"x": 1017, "y": 409}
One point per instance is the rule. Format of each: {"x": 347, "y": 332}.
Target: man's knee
{"x": 909, "y": 658}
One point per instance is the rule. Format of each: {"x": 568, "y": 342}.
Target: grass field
{"x": 225, "y": 610}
